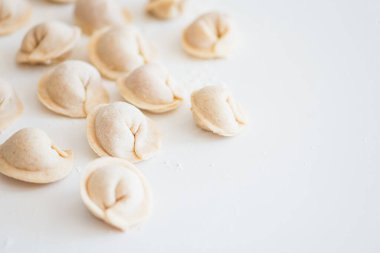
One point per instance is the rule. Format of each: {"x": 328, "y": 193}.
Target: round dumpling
{"x": 150, "y": 88}
{"x": 117, "y": 51}
{"x": 72, "y": 88}
{"x": 29, "y": 155}
{"x": 13, "y": 15}
{"x": 116, "y": 192}
{"x": 48, "y": 42}
{"x": 10, "y": 105}
{"x": 97, "y": 14}
{"x": 165, "y": 9}
{"x": 121, "y": 130}
{"x": 209, "y": 36}
{"x": 215, "y": 110}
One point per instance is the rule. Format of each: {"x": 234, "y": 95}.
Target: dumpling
{"x": 48, "y": 42}
{"x": 97, "y": 14}
{"x": 117, "y": 51}
{"x": 150, "y": 88}
{"x": 165, "y": 9}
{"x": 72, "y": 88}
{"x": 209, "y": 36}
{"x": 29, "y": 155}
{"x": 13, "y": 15}
{"x": 11, "y": 106}
{"x": 116, "y": 192}
{"x": 216, "y": 111}
{"x": 121, "y": 130}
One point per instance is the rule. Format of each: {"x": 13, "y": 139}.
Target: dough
{"x": 116, "y": 192}
{"x": 72, "y": 88}
{"x": 97, "y": 14}
{"x": 29, "y": 155}
{"x": 13, "y": 15}
{"x": 48, "y": 42}
{"x": 150, "y": 88}
{"x": 11, "y": 106}
{"x": 165, "y": 9}
{"x": 216, "y": 111}
{"x": 117, "y": 51}
{"x": 209, "y": 36}
{"x": 121, "y": 130}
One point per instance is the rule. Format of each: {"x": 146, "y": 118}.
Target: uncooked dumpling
{"x": 92, "y": 15}
{"x": 216, "y": 111}
{"x": 10, "y": 105}
{"x": 116, "y": 192}
{"x": 29, "y": 155}
{"x": 13, "y": 15}
{"x": 121, "y": 130}
{"x": 48, "y": 42}
{"x": 117, "y": 51}
{"x": 150, "y": 88}
{"x": 165, "y": 9}
{"x": 209, "y": 36}
{"x": 72, "y": 88}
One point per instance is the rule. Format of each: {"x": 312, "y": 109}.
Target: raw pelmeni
{"x": 13, "y": 15}
{"x": 29, "y": 155}
{"x": 48, "y": 42}
{"x": 209, "y": 36}
{"x": 97, "y": 14}
{"x": 215, "y": 110}
{"x": 121, "y": 130}
{"x": 151, "y": 88}
{"x": 165, "y": 9}
{"x": 72, "y": 88}
{"x": 117, "y": 51}
{"x": 116, "y": 192}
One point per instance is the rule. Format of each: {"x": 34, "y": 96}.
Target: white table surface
{"x": 303, "y": 177}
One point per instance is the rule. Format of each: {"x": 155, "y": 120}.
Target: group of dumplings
{"x": 112, "y": 187}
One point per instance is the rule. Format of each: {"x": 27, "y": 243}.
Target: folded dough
{"x": 121, "y": 130}
{"x": 11, "y": 106}
{"x": 13, "y": 15}
{"x": 209, "y": 36}
{"x": 150, "y": 88}
{"x": 48, "y": 42}
{"x": 29, "y": 155}
{"x": 118, "y": 50}
{"x": 72, "y": 88}
{"x": 216, "y": 111}
{"x": 165, "y": 9}
{"x": 97, "y": 14}
{"x": 116, "y": 192}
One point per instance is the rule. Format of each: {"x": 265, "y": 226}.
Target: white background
{"x": 303, "y": 177}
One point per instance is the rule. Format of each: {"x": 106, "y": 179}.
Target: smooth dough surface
{"x": 116, "y": 192}
{"x": 29, "y": 155}
{"x": 94, "y": 15}
{"x": 215, "y": 110}
{"x": 48, "y": 42}
{"x": 13, "y": 15}
{"x": 121, "y": 130}
{"x": 72, "y": 88}
{"x": 117, "y": 51}
{"x": 150, "y": 87}
{"x": 165, "y": 9}
{"x": 209, "y": 36}
{"x": 11, "y": 106}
